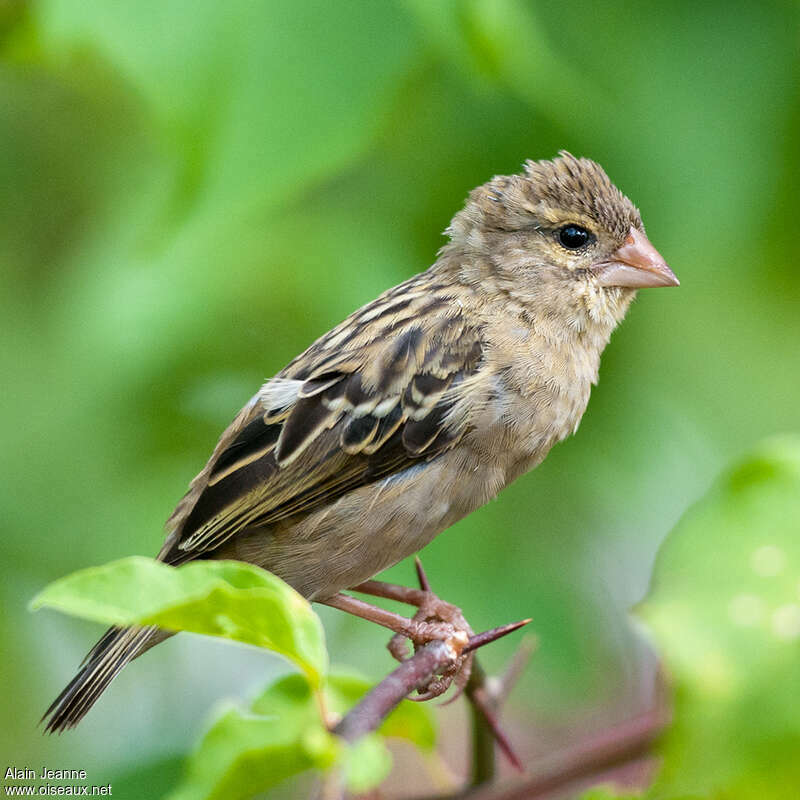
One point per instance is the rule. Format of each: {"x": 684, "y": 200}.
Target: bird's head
{"x": 558, "y": 238}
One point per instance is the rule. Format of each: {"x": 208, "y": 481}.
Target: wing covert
{"x": 332, "y": 422}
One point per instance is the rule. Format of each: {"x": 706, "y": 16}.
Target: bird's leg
{"x": 425, "y": 626}
{"x": 401, "y": 625}
{"x": 430, "y": 606}
{"x": 434, "y": 619}
{"x": 418, "y": 630}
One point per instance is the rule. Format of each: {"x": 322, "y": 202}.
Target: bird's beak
{"x": 635, "y": 265}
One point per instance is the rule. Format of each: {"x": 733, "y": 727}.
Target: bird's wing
{"x": 366, "y": 401}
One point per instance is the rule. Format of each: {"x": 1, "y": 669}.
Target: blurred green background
{"x": 190, "y": 193}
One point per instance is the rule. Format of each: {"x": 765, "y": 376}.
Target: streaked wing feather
{"x": 372, "y": 407}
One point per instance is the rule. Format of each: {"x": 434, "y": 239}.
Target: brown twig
{"x": 412, "y": 674}
{"x": 485, "y": 707}
{"x": 554, "y": 774}
{"x": 486, "y": 696}
{"x": 578, "y": 765}
{"x": 483, "y": 737}
{"x": 450, "y": 646}
{"x": 489, "y": 708}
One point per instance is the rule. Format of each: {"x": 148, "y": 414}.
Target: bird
{"x": 421, "y": 406}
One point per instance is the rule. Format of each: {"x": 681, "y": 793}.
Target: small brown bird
{"x": 419, "y": 407}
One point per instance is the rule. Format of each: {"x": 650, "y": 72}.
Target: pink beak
{"x": 635, "y": 265}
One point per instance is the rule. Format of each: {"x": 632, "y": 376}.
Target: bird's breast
{"x": 538, "y": 393}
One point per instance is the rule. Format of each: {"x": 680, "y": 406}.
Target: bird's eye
{"x": 573, "y": 237}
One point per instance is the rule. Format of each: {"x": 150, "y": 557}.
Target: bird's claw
{"x": 436, "y": 620}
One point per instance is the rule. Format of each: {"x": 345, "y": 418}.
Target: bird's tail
{"x": 103, "y": 663}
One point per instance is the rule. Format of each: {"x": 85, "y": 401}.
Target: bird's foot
{"x": 434, "y": 620}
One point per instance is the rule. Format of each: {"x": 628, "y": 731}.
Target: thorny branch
{"x": 486, "y": 696}
{"x": 578, "y": 766}
{"x": 444, "y": 645}
{"x": 546, "y": 777}
{"x": 412, "y": 674}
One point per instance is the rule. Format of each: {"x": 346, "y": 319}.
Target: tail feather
{"x": 105, "y": 660}
{"x": 101, "y": 644}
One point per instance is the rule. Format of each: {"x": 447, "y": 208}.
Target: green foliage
{"x": 191, "y": 193}
{"x": 725, "y": 611}
{"x": 607, "y": 793}
{"x": 218, "y": 598}
{"x": 367, "y": 763}
{"x": 284, "y": 732}
{"x": 245, "y": 753}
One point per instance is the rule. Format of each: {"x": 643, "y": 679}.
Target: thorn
{"x": 424, "y": 583}
{"x": 481, "y": 639}
{"x": 478, "y": 698}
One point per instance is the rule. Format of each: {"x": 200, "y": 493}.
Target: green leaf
{"x": 366, "y": 763}
{"x": 228, "y": 599}
{"x": 281, "y": 735}
{"x": 606, "y": 793}
{"x": 725, "y": 610}
{"x": 247, "y": 752}
{"x": 411, "y": 721}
